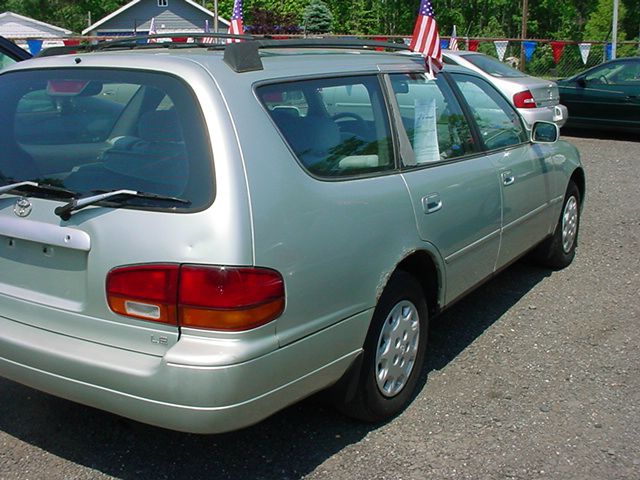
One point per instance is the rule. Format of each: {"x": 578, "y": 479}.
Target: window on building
{"x": 163, "y": 3}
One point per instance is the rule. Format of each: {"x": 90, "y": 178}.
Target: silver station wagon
{"x": 196, "y": 236}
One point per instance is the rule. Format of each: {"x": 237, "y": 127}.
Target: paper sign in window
{"x": 425, "y": 133}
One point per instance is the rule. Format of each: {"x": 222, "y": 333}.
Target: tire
{"x": 559, "y": 251}
{"x": 394, "y": 352}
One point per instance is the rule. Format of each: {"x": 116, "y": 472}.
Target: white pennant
{"x": 501, "y": 48}
{"x": 585, "y": 48}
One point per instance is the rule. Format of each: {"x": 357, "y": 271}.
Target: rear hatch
{"x": 72, "y": 135}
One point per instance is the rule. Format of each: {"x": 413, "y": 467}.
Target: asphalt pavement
{"x": 536, "y": 375}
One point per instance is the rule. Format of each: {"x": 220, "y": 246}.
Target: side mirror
{"x": 581, "y": 82}
{"x": 545, "y": 132}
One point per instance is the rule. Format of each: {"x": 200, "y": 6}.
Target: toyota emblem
{"x": 22, "y": 208}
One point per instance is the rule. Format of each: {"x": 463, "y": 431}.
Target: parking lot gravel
{"x": 536, "y": 375}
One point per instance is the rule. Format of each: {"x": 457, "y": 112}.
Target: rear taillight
{"x": 220, "y": 298}
{"x": 144, "y": 291}
{"x": 524, "y": 100}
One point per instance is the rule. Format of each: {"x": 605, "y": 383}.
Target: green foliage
{"x": 317, "y": 17}
{"x": 599, "y": 25}
{"x": 270, "y": 22}
{"x": 70, "y": 14}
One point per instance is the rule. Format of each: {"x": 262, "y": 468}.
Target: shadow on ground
{"x": 601, "y": 134}
{"x": 290, "y": 444}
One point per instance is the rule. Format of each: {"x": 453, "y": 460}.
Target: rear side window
{"x": 336, "y": 127}
{"x": 493, "y": 67}
{"x": 96, "y": 130}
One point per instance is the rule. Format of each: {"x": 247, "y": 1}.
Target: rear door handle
{"x": 431, "y": 203}
{"x": 508, "y": 178}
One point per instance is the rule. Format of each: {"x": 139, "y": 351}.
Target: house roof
{"x": 135, "y": 2}
{"x": 13, "y": 25}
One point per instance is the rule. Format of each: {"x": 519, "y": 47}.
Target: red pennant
{"x": 380, "y": 39}
{"x": 179, "y": 39}
{"x": 69, "y": 42}
{"x": 473, "y": 45}
{"x": 557, "y": 48}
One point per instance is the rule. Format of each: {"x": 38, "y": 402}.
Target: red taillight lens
{"x": 221, "y": 298}
{"x": 145, "y": 291}
{"x": 229, "y": 298}
{"x": 524, "y": 100}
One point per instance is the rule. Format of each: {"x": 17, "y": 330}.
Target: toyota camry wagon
{"x": 198, "y": 235}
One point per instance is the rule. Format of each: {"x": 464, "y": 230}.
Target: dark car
{"x": 605, "y": 96}
{"x": 11, "y": 53}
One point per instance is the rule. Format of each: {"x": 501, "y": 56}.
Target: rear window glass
{"x": 493, "y": 67}
{"x": 336, "y": 127}
{"x": 5, "y": 60}
{"x": 96, "y": 130}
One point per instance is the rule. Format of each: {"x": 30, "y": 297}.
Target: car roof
{"x": 277, "y": 59}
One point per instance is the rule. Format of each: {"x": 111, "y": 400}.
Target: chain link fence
{"x": 556, "y": 59}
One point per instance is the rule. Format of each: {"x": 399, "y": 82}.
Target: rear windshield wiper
{"x": 64, "y": 212}
{"x": 39, "y": 188}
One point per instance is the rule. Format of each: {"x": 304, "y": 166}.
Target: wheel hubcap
{"x": 569, "y": 224}
{"x": 397, "y": 348}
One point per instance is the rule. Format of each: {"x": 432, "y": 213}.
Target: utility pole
{"x": 525, "y": 15}
{"x": 614, "y": 30}
{"x": 215, "y": 16}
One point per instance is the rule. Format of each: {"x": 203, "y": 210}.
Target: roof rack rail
{"x": 245, "y": 56}
{"x": 64, "y": 50}
{"x": 142, "y": 41}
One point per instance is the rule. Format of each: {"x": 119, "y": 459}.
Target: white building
{"x": 17, "y": 27}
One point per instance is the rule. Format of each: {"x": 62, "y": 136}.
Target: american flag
{"x": 152, "y": 30}
{"x": 453, "y": 43}
{"x": 207, "y": 30}
{"x": 426, "y": 39}
{"x": 236, "y": 20}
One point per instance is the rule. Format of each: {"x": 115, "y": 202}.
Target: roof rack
{"x": 245, "y": 56}
{"x": 241, "y": 56}
{"x": 64, "y": 50}
{"x": 198, "y": 40}
{"x": 142, "y": 42}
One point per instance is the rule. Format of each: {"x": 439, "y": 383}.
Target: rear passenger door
{"x": 521, "y": 166}
{"x": 453, "y": 186}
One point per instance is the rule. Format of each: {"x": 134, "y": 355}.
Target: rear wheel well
{"x": 422, "y": 266}
{"x": 578, "y": 178}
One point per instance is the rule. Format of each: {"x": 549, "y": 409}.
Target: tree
{"x": 317, "y": 17}
{"x": 269, "y": 22}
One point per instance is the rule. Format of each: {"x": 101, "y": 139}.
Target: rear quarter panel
{"x": 335, "y": 242}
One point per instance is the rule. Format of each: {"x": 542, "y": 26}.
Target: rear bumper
{"x": 557, "y": 114}
{"x": 191, "y": 398}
